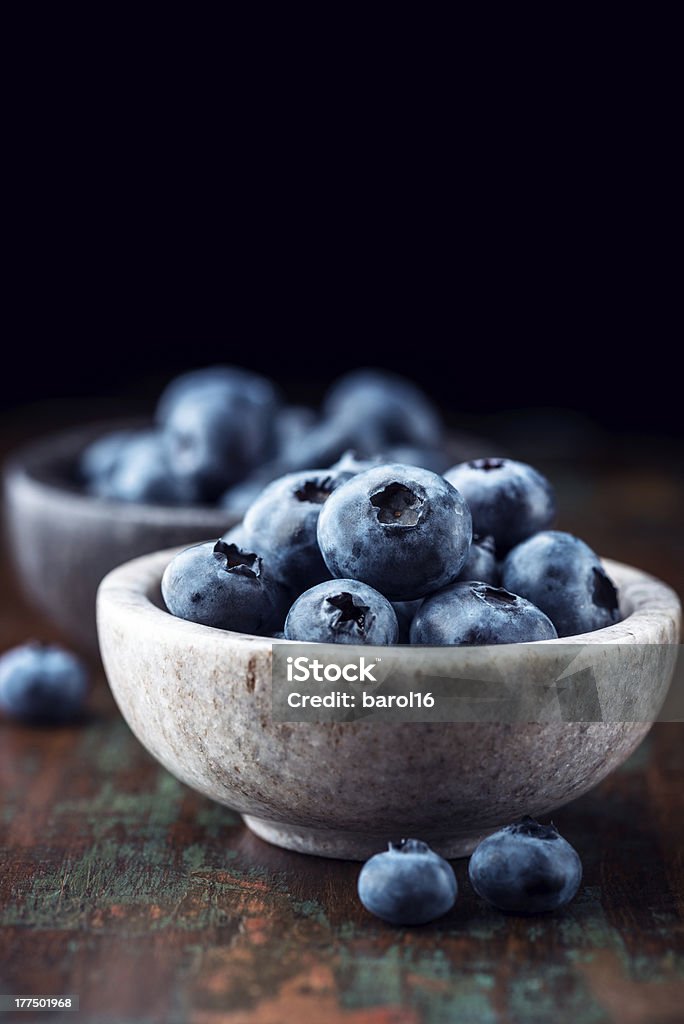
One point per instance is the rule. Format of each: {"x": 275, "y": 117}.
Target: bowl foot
{"x": 352, "y": 845}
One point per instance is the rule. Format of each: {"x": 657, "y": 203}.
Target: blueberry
{"x": 508, "y": 500}
{"x": 216, "y": 434}
{"x": 481, "y": 563}
{"x": 282, "y": 523}
{"x": 563, "y": 577}
{"x": 387, "y": 409}
{"x": 224, "y": 585}
{"x": 139, "y": 471}
{"x": 405, "y": 612}
{"x": 525, "y": 868}
{"x": 401, "y": 529}
{"x": 231, "y": 379}
{"x": 342, "y": 612}
{"x": 474, "y": 613}
{"x": 43, "y": 683}
{"x": 369, "y": 411}
{"x": 324, "y": 444}
{"x": 99, "y": 458}
{"x": 293, "y": 424}
{"x": 407, "y": 884}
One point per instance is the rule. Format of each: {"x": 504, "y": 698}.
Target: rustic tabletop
{"x": 152, "y": 904}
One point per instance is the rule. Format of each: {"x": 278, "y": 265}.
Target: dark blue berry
{"x": 41, "y": 682}
{"x": 387, "y": 408}
{"x": 481, "y": 563}
{"x": 282, "y": 523}
{"x": 563, "y": 577}
{"x": 226, "y": 586}
{"x": 508, "y": 500}
{"x": 475, "y": 613}
{"x": 408, "y": 884}
{"x": 525, "y": 868}
{"x": 137, "y": 469}
{"x": 217, "y": 433}
{"x": 342, "y": 612}
{"x": 401, "y": 529}
{"x": 405, "y": 612}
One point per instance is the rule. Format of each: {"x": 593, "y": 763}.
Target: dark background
{"x": 599, "y": 355}
{"x": 507, "y": 247}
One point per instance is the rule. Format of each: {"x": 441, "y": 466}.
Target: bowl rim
{"x": 25, "y": 467}
{"x": 129, "y": 589}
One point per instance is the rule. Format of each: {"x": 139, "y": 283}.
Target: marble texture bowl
{"x": 199, "y": 699}
{"x": 63, "y": 541}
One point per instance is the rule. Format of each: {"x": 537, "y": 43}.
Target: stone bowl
{"x": 63, "y": 541}
{"x": 199, "y": 699}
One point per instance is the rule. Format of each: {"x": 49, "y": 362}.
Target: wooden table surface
{"x": 153, "y": 904}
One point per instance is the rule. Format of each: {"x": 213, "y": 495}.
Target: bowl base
{"x": 351, "y": 845}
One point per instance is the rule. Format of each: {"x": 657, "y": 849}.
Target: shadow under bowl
{"x": 200, "y": 700}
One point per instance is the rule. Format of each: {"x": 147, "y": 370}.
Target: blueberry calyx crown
{"x": 349, "y": 611}
{"x": 316, "y": 492}
{"x": 237, "y": 561}
{"x": 409, "y": 846}
{"x": 397, "y": 505}
{"x": 605, "y": 594}
{"x": 527, "y": 826}
{"x": 487, "y": 464}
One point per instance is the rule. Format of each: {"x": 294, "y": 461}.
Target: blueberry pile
{"x": 222, "y": 433}
{"x": 377, "y": 552}
{"x": 524, "y": 868}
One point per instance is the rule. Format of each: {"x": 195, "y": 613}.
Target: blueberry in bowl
{"x": 342, "y": 612}
{"x": 477, "y": 613}
{"x": 508, "y": 500}
{"x": 403, "y": 530}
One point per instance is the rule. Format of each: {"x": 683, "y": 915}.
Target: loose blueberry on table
{"x": 42, "y": 683}
{"x": 525, "y": 868}
{"x": 408, "y": 884}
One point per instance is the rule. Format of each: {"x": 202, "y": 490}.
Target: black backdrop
{"x": 608, "y": 363}
{"x": 550, "y": 305}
